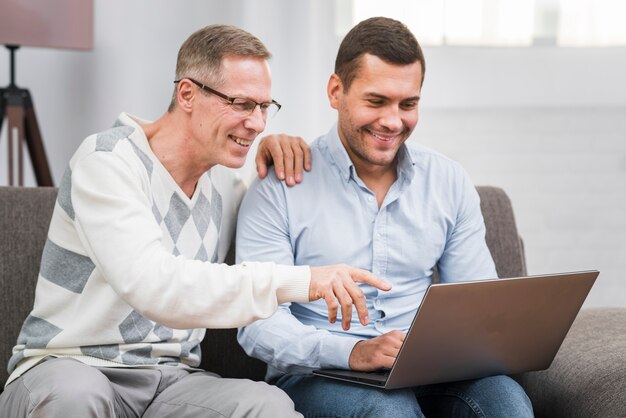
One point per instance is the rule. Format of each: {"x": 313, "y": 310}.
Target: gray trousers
{"x": 67, "y": 388}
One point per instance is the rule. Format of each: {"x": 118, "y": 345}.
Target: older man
{"x": 130, "y": 277}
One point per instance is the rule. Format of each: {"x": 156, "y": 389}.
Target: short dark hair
{"x": 201, "y": 55}
{"x": 388, "y": 39}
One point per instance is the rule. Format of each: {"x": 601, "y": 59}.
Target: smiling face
{"x": 378, "y": 112}
{"x": 218, "y": 133}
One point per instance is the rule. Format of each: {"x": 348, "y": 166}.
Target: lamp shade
{"x": 48, "y": 23}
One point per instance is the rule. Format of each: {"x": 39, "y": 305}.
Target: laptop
{"x": 475, "y": 329}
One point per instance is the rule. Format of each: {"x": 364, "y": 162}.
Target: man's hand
{"x": 377, "y": 353}
{"x": 289, "y": 154}
{"x": 336, "y": 285}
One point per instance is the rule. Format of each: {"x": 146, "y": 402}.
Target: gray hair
{"x": 200, "y": 56}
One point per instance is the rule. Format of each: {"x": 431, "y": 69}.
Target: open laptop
{"x": 475, "y": 329}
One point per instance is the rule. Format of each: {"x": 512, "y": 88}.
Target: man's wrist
{"x": 294, "y": 283}
{"x": 335, "y": 351}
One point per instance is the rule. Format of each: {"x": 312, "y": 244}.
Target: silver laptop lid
{"x": 468, "y": 330}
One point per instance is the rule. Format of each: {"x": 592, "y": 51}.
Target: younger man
{"x": 389, "y": 206}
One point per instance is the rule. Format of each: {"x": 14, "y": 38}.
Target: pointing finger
{"x": 362, "y": 276}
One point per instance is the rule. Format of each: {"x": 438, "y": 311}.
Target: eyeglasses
{"x": 241, "y": 106}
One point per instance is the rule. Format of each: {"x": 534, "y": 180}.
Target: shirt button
{"x": 370, "y": 198}
{"x": 378, "y": 235}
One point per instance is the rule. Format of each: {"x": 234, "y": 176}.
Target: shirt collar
{"x": 339, "y": 154}
{"x": 406, "y": 164}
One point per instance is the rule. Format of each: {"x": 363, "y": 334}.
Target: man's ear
{"x": 334, "y": 90}
{"x": 185, "y": 94}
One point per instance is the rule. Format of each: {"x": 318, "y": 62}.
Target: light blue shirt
{"x": 430, "y": 217}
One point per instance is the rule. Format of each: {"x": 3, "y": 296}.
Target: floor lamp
{"x": 66, "y": 24}
{"x": 16, "y": 105}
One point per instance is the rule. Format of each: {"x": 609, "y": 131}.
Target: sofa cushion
{"x": 588, "y": 376}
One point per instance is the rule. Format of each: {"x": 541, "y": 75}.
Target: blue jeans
{"x": 498, "y": 396}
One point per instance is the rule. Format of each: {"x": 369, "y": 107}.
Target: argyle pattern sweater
{"x": 129, "y": 273}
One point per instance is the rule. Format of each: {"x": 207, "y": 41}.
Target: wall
{"x": 546, "y": 124}
{"x": 549, "y": 126}
{"x": 565, "y": 172}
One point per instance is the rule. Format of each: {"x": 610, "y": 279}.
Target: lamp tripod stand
{"x": 16, "y": 105}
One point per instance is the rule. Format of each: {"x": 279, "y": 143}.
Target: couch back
{"x": 24, "y": 219}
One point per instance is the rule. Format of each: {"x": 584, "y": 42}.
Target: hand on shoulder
{"x": 290, "y": 155}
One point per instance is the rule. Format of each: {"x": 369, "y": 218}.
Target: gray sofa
{"x": 587, "y": 378}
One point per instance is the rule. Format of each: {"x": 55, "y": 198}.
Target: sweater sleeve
{"x": 118, "y": 232}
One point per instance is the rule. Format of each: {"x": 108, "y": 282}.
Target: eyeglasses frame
{"x": 229, "y": 99}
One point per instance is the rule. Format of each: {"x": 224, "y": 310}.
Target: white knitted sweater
{"x": 129, "y": 274}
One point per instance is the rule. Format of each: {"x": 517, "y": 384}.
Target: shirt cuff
{"x": 335, "y": 351}
{"x": 293, "y": 283}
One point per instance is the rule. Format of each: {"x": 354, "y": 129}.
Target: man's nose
{"x": 391, "y": 119}
{"x": 256, "y": 120}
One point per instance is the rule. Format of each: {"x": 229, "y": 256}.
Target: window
{"x": 592, "y": 23}
{"x": 573, "y": 23}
